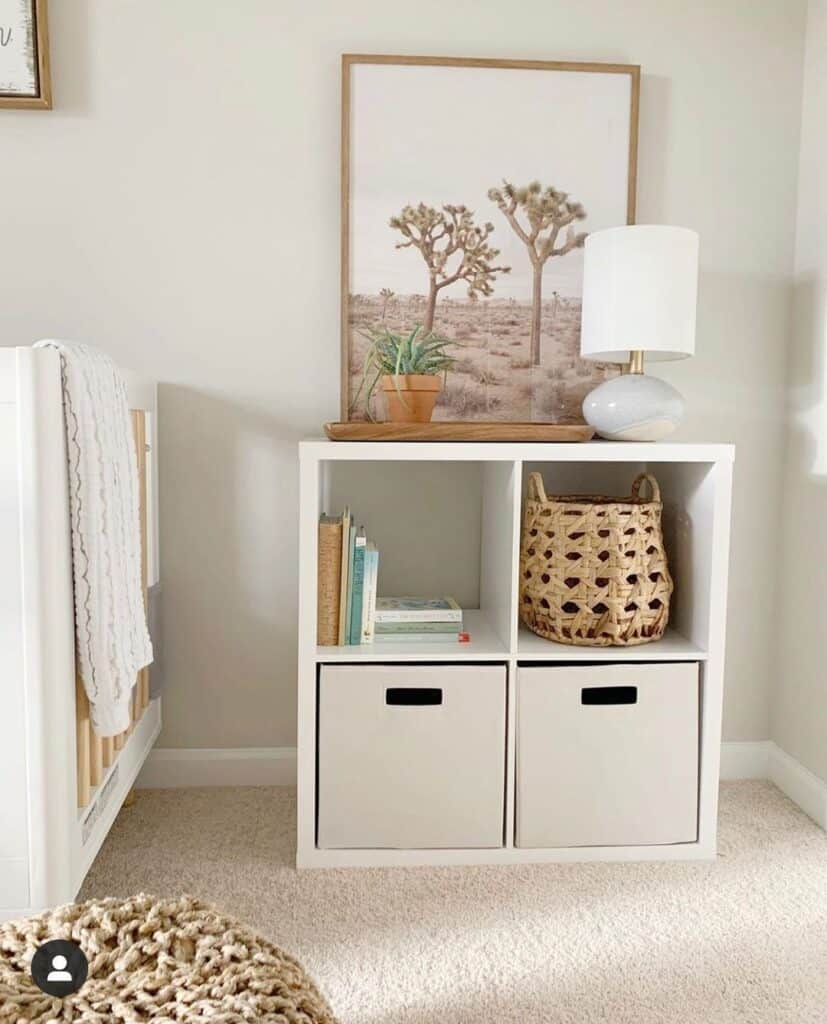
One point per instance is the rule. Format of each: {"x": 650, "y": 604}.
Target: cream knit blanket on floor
{"x": 172, "y": 961}
{"x": 111, "y": 637}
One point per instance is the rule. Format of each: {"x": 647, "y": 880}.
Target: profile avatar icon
{"x": 59, "y": 967}
{"x": 58, "y": 971}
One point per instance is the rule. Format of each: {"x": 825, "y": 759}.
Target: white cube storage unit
{"x": 391, "y": 783}
{"x": 607, "y": 755}
{"x": 411, "y": 756}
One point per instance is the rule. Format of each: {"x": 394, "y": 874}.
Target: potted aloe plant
{"x": 411, "y": 370}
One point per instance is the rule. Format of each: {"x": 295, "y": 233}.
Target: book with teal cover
{"x": 369, "y": 592}
{"x": 398, "y": 628}
{"x": 416, "y": 638}
{"x": 357, "y": 588}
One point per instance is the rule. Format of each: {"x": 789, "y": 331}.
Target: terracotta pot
{"x": 410, "y": 398}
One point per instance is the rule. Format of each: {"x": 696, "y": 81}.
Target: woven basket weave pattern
{"x": 593, "y": 569}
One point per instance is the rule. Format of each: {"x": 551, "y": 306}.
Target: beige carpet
{"x": 742, "y": 940}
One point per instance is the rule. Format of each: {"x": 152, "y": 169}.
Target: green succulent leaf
{"x": 395, "y": 355}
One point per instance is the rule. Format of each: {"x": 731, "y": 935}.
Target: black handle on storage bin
{"x": 413, "y": 696}
{"x": 608, "y": 695}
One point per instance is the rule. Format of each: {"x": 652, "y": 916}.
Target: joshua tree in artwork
{"x": 548, "y": 211}
{"x": 386, "y": 294}
{"x": 454, "y": 249}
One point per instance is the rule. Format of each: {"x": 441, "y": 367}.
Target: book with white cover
{"x": 417, "y": 609}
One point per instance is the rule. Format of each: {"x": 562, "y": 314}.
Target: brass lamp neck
{"x": 635, "y": 361}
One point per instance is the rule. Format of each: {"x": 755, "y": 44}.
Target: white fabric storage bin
{"x": 607, "y": 755}
{"x": 411, "y": 756}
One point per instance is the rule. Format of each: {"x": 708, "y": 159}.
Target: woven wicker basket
{"x": 593, "y": 569}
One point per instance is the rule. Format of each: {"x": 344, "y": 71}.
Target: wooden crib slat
{"x": 144, "y": 688}
{"x": 134, "y": 710}
{"x": 95, "y": 758}
{"x": 83, "y": 726}
{"x": 120, "y": 739}
{"x": 108, "y": 749}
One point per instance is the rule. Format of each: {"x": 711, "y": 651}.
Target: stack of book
{"x": 347, "y": 576}
{"x": 416, "y": 619}
{"x": 349, "y": 611}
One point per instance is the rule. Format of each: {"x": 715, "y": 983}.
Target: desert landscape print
{"x": 471, "y": 222}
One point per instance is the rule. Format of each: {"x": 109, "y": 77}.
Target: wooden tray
{"x": 458, "y": 431}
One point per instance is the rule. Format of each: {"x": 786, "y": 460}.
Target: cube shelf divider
{"x": 696, "y": 481}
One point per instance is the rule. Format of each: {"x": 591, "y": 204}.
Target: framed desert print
{"x": 24, "y": 54}
{"x": 468, "y": 189}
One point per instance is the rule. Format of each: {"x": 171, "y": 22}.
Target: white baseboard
{"x": 764, "y": 759}
{"x": 745, "y": 759}
{"x": 167, "y": 768}
{"x": 799, "y": 784}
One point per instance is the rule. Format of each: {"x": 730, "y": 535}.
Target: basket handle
{"x": 536, "y": 490}
{"x": 653, "y": 486}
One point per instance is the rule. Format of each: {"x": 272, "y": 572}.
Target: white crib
{"x": 60, "y": 785}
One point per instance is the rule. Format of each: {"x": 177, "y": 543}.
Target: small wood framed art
{"x": 24, "y": 55}
{"x": 468, "y": 189}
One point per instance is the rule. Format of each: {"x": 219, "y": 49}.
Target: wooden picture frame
{"x": 34, "y": 17}
{"x": 350, "y": 62}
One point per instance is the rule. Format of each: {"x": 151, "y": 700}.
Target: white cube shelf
{"x": 446, "y": 518}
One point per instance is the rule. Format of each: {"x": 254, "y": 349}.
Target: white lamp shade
{"x": 640, "y": 290}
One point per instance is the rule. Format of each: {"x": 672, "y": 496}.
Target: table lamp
{"x": 640, "y": 286}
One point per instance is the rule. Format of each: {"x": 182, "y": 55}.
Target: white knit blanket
{"x": 112, "y": 641}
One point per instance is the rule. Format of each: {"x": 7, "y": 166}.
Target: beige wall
{"x": 799, "y": 711}
{"x": 180, "y": 207}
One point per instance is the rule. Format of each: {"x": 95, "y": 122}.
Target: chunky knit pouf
{"x": 159, "y": 960}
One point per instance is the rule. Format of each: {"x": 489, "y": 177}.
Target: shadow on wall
{"x": 735, "y": 392}
{"x": 799, "y": 714}
{"x": 808, "y": 380}
{"x": 72, "y": 29}
{"x": 735, "y": 383}
{"x": 652, "y": 170}
{"x": 229, "y": 540}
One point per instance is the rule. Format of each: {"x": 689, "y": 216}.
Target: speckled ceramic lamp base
{"x": 634, "y": 407}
